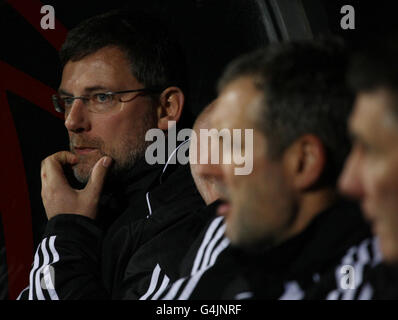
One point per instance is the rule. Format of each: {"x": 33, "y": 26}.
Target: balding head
{"x": 204, "y": 184}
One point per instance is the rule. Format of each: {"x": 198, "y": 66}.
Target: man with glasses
{"x": 111, "y": 214}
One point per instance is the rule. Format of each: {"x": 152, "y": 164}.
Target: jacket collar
{"x": 322, "y": 243}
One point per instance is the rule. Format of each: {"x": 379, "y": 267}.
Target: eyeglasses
{"x": 98, "y": 102}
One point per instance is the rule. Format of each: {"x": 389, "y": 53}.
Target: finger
{"x": 64, "y": 157}
{"x": 97, "y": 178}
{"x": 52, "y": 168}
{"x": 60, "y": 158}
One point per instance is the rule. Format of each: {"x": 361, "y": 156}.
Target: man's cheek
{"x": 372, "y": 183}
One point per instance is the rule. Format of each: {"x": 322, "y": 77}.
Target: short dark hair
{"x": 156, "y": 58}
{"x": 376, "y": 66}
{"x": 304, "y": 92}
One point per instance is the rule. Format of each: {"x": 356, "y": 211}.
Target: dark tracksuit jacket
{"x": 382, "y": 282}
{"x": 149, "y": 220}
{"x": 306, "y": 266}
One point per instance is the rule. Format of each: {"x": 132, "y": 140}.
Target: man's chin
{"x": 82, "y": 173}
{"x": 389, "y": 251}
{"x": 250, "y": 240}
{"x": 237, "y": 238}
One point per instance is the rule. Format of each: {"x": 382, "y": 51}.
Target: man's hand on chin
{"x": 59, "y": 197}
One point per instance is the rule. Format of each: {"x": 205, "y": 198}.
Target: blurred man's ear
{"x": 305, "y": 160}
{"x": 171, "y": 103}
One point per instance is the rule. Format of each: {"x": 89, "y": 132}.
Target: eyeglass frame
{"x": 59, "y": 109}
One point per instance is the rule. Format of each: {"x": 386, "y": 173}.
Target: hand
{"x": 59, "y": 197}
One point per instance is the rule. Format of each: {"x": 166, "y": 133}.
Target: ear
{"x": 305, "y": 160}
{"x": 170, "y": 107}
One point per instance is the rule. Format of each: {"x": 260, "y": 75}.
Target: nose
{"x": 350, "y": 181}
{"x": 209, "y": 171}
{"x": 77, "y": 120}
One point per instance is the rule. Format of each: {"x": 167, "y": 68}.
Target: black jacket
{"x": 149, "y": 219}
{"x": 304, "y": 267}
{"x": 380, "y": 282}
{"x": 201, "y": 257}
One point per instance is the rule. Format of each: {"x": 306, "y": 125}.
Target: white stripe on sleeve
{"x": 153, "y": 284}
{"x": 48, "y": 278}
{"x": 32, "y": 272}
{"x": 186, "y": 293}
{"x": 46, "y": 260}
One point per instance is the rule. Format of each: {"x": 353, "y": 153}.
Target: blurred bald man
{"x": 204, "y": 184}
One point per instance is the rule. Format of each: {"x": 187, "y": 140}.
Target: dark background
{"x": 211, "y": 32}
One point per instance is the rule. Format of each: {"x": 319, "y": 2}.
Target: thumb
{"x": 97, "y": 178}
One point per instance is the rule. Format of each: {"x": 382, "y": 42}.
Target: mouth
{"x": 224, "y": 208}
{"x": 83, "y": 150}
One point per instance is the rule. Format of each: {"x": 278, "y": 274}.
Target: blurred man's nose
{"x": 77, "y": 120}
{"x": 350, "y": 181}
{"x": 209, "y": 171}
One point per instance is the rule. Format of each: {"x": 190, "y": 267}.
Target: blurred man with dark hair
{"x": 371, "y": 172}
{"x": 288, "y": 226}
{"x": 301, "y": 112}
{"x": 122, "y": 75}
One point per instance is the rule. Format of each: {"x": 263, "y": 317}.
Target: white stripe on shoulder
{"x": 366, "y": 293}
{"x": 217, "y": 237}
{"x": 348, "y": 259}
{"x": 244, "y": 295}
{"x": 363, "y": 259}
{"x": 163, "y": 286}
{"x": 292, "y": 291}
{"x": 209, "y": 252}
{"x": 208, "y": 236}
{"x": 191, "y": 284}
{"x": 368, "y": 254}
{"x": 224, "y": 243}
{"x": 377, "y": 255}
{"x": 174, "y": 290}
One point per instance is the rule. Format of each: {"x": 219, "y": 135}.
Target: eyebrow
{"x": 61, "y": 91}
{"x": 86, "y": 90}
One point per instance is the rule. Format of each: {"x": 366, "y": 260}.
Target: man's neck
{"x": 139, "y": 172}
{"x": 310, "y": 204}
